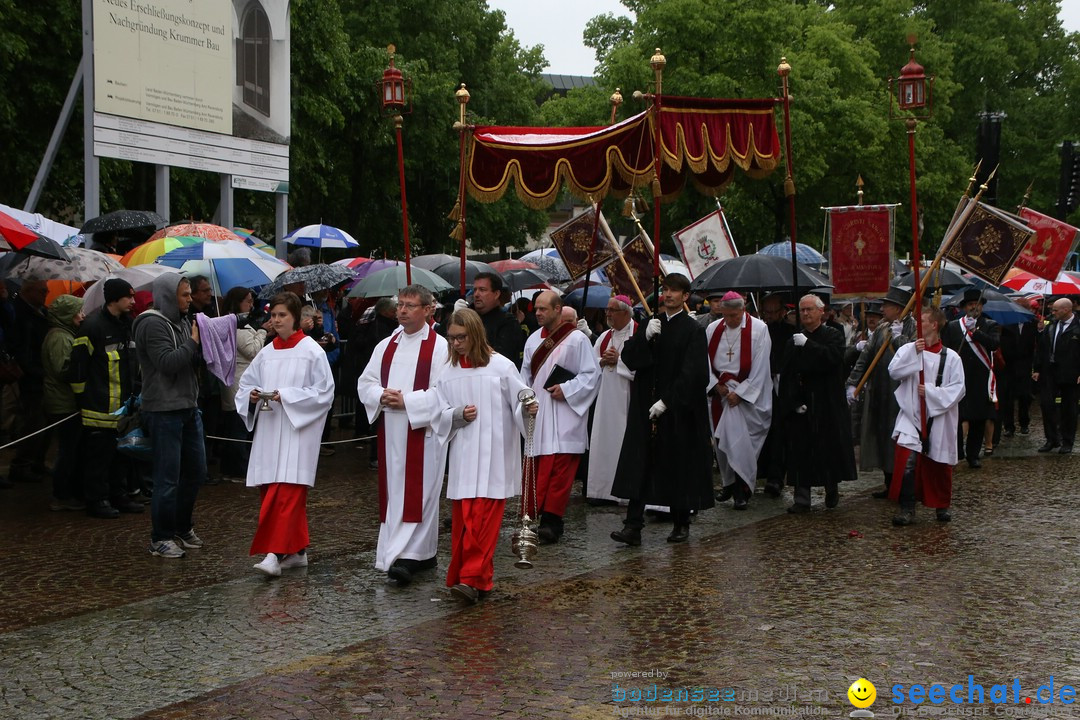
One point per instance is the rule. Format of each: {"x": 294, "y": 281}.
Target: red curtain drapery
{"x": 703, "y": 138}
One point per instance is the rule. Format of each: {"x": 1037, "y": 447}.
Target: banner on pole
{"x": 573, "y": 238}
{"x": 860, "y": 249}
{"x": 989, "y": 243}
{"x": 705, "y": 243}
{"x": 1046, "y": 253}
{"x": 639, "y": 260}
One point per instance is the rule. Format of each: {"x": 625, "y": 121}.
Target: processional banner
{"x": 1046, "y": 253}
{"x": 705, "y": 242}
{"x": 860, "y": 249}
{"x": 573, "y": 239}
{"x": 638, "y": 254}
{"x": 988, "y": 243}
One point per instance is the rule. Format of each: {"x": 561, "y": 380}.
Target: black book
{"x": 558, "y": 376}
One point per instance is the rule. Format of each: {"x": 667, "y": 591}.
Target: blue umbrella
{"x": 321, "y": 236}
{"x": 998, "y": 307}
{"x": 227, "y": 264}
{"x": 598, "y": 297}
{"x": 803, "y": 253}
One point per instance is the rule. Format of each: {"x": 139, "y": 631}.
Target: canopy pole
{"x": 657, "y": 61}
{"x": 783, "y": 70}
{"x": 462, "y": 96}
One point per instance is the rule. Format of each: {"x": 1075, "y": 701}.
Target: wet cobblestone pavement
{"x": 771, "y": 614}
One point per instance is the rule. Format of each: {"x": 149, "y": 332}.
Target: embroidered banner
{"x": 572, "y": 240}
{"x": 860, "y": 250}
{"x": 638, "y": 254}
{"x": 1046, "y": 253}
{"x": 705, "y": 243}
{"x": 989, "y": 243}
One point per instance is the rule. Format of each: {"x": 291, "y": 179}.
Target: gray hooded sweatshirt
{"x": 167, "y": 354}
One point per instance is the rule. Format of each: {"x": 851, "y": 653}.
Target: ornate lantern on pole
{"x": 913, "y": 98}
{"x": 396, "y": 95}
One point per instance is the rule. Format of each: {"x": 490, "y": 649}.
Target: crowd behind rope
{"x": 641, "y": 409}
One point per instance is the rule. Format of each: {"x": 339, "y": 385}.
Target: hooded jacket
{"x": 167, "y": 354}
{"x": 59, "y": 398}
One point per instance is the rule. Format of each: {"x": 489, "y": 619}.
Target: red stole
{"x": 289, "y": 342}
{"x": 551, "y": 341}
{"x": 414, "y": 446}
{"x": 717, "y": 404}
{"x": 607, "y": 338}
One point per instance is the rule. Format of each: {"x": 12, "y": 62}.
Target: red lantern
{"x": 913, "y": 87}
{"x": 395, "y": 89}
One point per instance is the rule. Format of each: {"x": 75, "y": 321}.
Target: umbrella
{"x": 321, "y": 236}
{"x": 502, "y": 266}
{"x": 1022, "y": 281}
{"x": 941, "y": 279}
{"x": 757, "y": 272}
{"x": 803, "y": 253}
{"x": 998, "y": 307}
{"x": 451, "y": 272}
{"x": 228, "y": 264}
{"x": 315, "y": 278}
{"x": 82, "y": 265}
{"x": 387, "y": 282}
{"x": 61, "y": 287}
{"x": 205, "y": 231}
{"x": 151, "y": 250}
{"x": 122, "y": 220}
{"x": 141, "y": 277}
{"x": 434, "y": 260}
{"x": 523, "y": 279}
{"x": 598, "y": 297}
{"x": 550, "y": 262}
{"x": 17, "y": 236}
{"x": 375, "y": 266}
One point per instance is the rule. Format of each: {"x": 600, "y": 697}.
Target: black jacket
{"x": 1059, "y": 361}
{"x": 103, "y": 367}
{"x": 504, "y": 334}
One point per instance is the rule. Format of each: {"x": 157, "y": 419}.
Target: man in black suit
{"x": 1057, "y": 369}
{"x": 974, "y": 337}
{"x": 1018, "y": 342}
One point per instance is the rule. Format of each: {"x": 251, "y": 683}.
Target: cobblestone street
{"x": 765, "y": 612}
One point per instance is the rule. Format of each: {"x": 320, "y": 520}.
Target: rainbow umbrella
{"x": 207, "y": 231}
{"x": 151, "y": 250}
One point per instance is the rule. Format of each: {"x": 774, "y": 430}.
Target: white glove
{"x": 584, "y": 327}
{"x": 658, "y": 408}
{"x": 799, "y": 338}
{"x": 897, "y": 328}
{"x": 850, "y": 394}
{"x": 461, "y": 304}
{"x": 969, "y": 322}
{"x": 652, "y": 330}
{"x": 861, "y": 345}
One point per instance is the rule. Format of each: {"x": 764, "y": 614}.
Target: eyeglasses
{"x": 457, "y": 338}
{"x": 408, "y": 306}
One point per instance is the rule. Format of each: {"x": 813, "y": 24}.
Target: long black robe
{"x": 821, "y": 450}
{"x": 673, "y": 468}
{"x": 976, "y": 403}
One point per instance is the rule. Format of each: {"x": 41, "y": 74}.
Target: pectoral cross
{"x": 730, "y": 352}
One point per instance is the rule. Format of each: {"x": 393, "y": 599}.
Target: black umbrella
{"x": 315, "y": 278}
{"x": 997, "y": 306}
{"x": 757, "y": 272}
{"x": 451, "y": 271}
{"x": 122, "y": 220}
{"x": 524, "y": 278}
{"x": 940, "y": 279}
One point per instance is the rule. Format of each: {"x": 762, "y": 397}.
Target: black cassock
{"x": 976, "y": 403}
{"x": 812, "y": 377}
{"x": 674, "y": 467}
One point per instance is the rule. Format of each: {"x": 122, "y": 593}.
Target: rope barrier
{"x": 328, "y": 442}
{"x": 38, "y": 432}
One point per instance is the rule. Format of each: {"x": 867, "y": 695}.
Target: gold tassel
{"x": 458, "y": 232}
{"x": 656, "y": 187}
{"x": 455, "y": 212}
{"x": 789, "y": 186}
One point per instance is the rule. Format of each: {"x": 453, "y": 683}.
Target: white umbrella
{"x": 321, "y": 236}
{"x": 141, "y": 277}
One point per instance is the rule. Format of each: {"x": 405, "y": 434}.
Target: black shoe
{"x": 466, "y": 593}
{"x": 430, "y": 564}
{"x": 629, "y": 536}
{"x": 725, "y": 494}
{"x": 1008, "y": 433}
{"x": 905, "y": 517}
{"x": 1049, "y": 447}
{"x": 880, "y": 494}
{"x": 974, "y": 463}
{"x": 741, "y": 503}
{"x": 943, "y": 515}
{"x": 679, "y": 534}
{"x": 447, "y": 523}
{"x": 400, "y": 574}
{"x": 1024, "y": 430}
{"x": 832, "y": 498}
{"x": 102, "y": 509}
{"x": 127, "y": 505}
{"x": 798, "y": 509}
{"x": 547, "y": 535}
{"x": 773, "y": 490}
{"x": 1065, "y": 449}
{"x": 600, "y": 502}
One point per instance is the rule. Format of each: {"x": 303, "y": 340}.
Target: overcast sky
{"x": 558, "y": 24}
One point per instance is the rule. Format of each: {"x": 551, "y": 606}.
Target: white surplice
{"x": 562, "y": 427}
{"x": 485, "y": 454}
{"x": 286, "y": 444}
{"x": 609, "y": 416}
{"x": 741, "y": 431}
{"x": 942, "y": 402}
{"x": 399, "y": 539}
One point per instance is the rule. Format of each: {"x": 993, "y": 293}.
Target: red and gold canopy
{"x": 703, "y": 138}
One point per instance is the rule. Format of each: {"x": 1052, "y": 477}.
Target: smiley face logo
{"x": 862, "y": 693}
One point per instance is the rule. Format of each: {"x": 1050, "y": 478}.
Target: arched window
{"x": 255, "y": 58}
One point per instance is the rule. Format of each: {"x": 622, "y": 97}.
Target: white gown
{"x": 286, "y": 444}
{"x": 609, "y": 417}
{"x": 741, "y": 431}
{"x": 942, "y": 402}
{"x": 562, "y": 427}
{"x": 399, "y": 539}
{"x": 485, "y": 455}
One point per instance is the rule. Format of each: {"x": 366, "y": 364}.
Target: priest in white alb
{"x": 612, "y": 401}
{"x": 560, "y": 366}
{"x": 285, "y": 448}
{"x": 397, "y": 387}
{"x": 923, "y": 470}
{"x": 480, "y": 400}
{"x": 740, "y": 395}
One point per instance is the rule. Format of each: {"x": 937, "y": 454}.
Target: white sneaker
{"x": 269, "y": 565}
{"x": 293, "y": 560}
